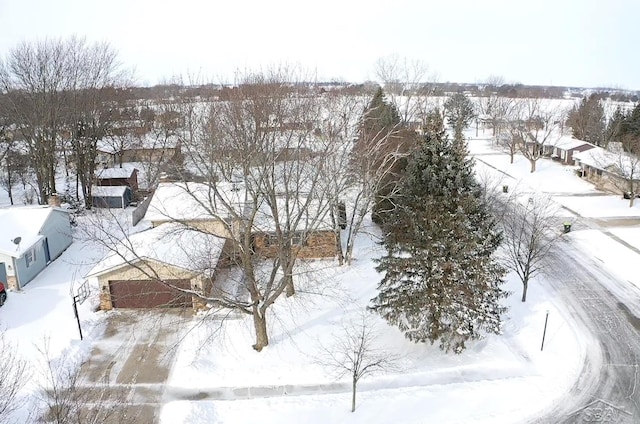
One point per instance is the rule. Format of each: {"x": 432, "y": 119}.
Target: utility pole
{"x": 544, "y": 332}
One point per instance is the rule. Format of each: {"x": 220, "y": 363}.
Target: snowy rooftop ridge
{"x": 108, "y": 191}
{"x": 178, "y": 201}
{"x": 568, "y": 143}
{"x": 125, "y": 171}
{"x": 619, "y": 163}
{"x": 169, "y": 243}
{"x": 113, "y": 144}
{"x": 24, "y": 222}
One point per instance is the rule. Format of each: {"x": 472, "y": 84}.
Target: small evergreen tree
{"x": 441, "y": 281}
{"x": 459, "y": 112}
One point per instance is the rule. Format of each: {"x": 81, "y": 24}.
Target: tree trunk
{"x": 353, "y": 395}
{"x": 289, "y": 290}
{"x": 260, "y": 325}
{"x": 525, "y": 285}
{"x": 9, "y": 185}
{"x": 511, "y": 155}
{"x": 533, "y": 165}
{"x": 339, "y": 251}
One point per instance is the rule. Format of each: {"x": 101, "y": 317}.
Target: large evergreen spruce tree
{"x": 383, "y": 140}
{"x": 441, "y": 281}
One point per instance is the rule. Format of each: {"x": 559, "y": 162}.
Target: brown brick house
{"x": 565, "y": 148}
{"x": 617, "y": 172}
{"x": 190, "y": 204}
{"x": 314, "y": 245}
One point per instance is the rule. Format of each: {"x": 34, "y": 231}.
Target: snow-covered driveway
{"x": 134, "y": 357}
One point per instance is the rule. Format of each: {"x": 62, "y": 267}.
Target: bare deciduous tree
{"x": 354, "y": 173}
{"x": 53, "y": 90}
{"x": 355, "y": 353}
{"x": 14, "y": 374}
{"x": 259, "y": 166}
{"x": 529, "y": 233}
{"x": 621, "y": 166}
{"x": 408, "y": 84}
{"x": 533, "y": 125}
{"x": 64, "y": 399}
{"x": 337, "y": 131}
{"x": 495, "y": 107}
{"x": 90, "y": 106}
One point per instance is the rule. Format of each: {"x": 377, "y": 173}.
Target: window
{"x": 30, "y": 257}
{"x": 270, "y": 240}
{"x": 299, "y": 239}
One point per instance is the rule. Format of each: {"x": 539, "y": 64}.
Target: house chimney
{"x": 54, "y": 200}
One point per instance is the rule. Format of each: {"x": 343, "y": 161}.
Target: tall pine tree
{"x": 383, "y": 141}
{"x": 441, "y": 281}
{"x": 587, "y": 120}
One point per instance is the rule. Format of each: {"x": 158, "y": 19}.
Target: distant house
{"x": 154, "y": 268}
{"x": 110, "y": 196}
{"x": 565, "y": 147}
{"x": 125, "y": 176}
{"x": 145, "y": 147}
{"x": 612, "y": 171}
{"x": 30, "y": 238}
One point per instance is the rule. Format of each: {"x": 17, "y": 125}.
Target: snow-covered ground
{"x": 501, "y": 379}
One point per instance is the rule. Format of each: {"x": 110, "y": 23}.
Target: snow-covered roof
{"x": 568, "y": 143}
{"x": 194, "y": 201}
{"x": 113, "y": 144}
{"x": 117, "y": 172}
{"x": 24, "y": 222}
{"x": 108, "y": 191}
{"x": 596, "y": 157}
{"x": 303, "y": 215}
{"x": 619, "y": 163}
{"x": 171, "y": 243}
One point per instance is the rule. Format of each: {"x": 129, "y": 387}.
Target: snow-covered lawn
{"x": 549, "y": 177}
{"x": 491, "y": 375}
{"x": 608, "y": 206}
{"x": 629, "y": 235}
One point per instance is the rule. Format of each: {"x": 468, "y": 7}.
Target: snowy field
{"x": 501, "y": 379}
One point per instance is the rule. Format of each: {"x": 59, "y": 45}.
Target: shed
{"x": 110, "y": 196}
{"x": 123, "y": 176}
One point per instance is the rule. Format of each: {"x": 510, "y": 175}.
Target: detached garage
{"x": 168, "y": 266}
{"x": 110, "y": 197}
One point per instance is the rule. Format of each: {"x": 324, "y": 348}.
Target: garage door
{"x": 148, "y": 294}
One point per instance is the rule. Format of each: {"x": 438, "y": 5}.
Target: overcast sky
{"x": 558, "y": 42}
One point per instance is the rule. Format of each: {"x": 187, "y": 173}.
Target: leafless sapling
{"x": 355, "y": 353}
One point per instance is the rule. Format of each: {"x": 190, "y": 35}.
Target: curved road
{"x": 606, "y": 391}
